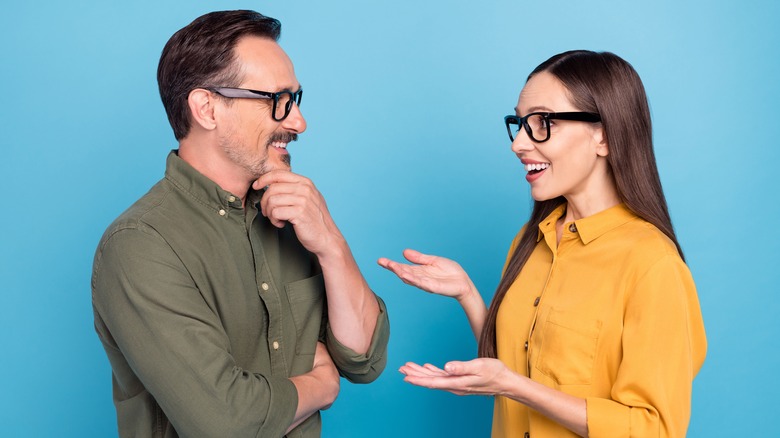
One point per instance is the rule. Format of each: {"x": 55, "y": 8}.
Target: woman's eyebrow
{"x": 534, "y": 109}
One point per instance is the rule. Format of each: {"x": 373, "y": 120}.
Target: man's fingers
{"x": 269, "y": 203}
{"x": 275, "y": 176}
{"x": 282, "y": 214}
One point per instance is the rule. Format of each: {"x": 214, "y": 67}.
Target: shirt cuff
{"x": 607, "y": 418}
{"x": 362, "y": 368}
{"x": 281, "y": 408}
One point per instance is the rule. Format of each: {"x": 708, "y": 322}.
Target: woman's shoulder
{"x": 645, "y": 241}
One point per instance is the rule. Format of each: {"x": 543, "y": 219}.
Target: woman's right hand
{"x": 433, "y": 274}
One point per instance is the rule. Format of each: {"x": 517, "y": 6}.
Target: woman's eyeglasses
{"x": 537, "y": 125}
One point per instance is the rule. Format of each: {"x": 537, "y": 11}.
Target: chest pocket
{"x": 306, "y": 298}
{"x": 567, "y": 348}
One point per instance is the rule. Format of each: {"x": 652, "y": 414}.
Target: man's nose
{"x": 295, "y": 121}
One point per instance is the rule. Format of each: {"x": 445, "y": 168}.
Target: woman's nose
{"x": 522, "y": 142}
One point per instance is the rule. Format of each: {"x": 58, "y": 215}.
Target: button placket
{"x": 275, "y": 336}
{"x": 536, "y": 302}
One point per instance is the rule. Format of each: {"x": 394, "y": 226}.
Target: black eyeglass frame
{"x": 577, "y": 116}
{"x": 245, "y": 93}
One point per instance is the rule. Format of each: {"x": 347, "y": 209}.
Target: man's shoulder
{"x": 139, "y": 216}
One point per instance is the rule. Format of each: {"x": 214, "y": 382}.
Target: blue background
{"x": 404, "y": 101}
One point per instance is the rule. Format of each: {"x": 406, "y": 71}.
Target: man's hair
{"x": 202, "y": 55}
{"x": 605, "y": 84}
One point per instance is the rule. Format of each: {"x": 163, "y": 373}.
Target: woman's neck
{"x": 582, "y": 205}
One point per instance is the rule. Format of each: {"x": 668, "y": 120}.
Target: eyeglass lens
{"x": 539, "y": 127}
{"x": 536, "y": 126}
{"x": 283, "y": 103}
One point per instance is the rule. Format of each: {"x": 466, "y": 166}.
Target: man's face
{"x": 249, "y": 135}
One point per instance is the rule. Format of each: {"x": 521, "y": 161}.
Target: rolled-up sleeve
{"x": 664, "y": 345}
{"x": 362, "y": 368}
{"x": 156, "y": 326}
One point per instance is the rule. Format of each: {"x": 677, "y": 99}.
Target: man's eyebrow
{"x": 290, "y": 89}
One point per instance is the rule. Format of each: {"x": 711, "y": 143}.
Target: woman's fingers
{"x": 418, "y": 257}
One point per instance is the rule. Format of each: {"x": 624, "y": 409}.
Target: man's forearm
{"x": 312, "y": 397}
{"x": 352, "y": 306}
{"x": 317, "y": 389}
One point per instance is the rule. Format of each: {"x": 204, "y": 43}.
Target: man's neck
{"x": 216, "y": 167}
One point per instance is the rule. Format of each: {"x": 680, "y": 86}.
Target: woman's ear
{"x": 201, "y": 104}
{"x": 600, "y": 137}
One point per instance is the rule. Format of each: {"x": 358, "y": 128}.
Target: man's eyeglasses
{"x": 282, "y": 100}
{"x": 537, "y": 125}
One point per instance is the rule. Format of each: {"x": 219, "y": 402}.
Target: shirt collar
{"x": 592, "y": 227}
{"x": 206, "y": 191}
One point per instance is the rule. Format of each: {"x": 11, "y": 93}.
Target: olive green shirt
{"x": 205, "y": 310}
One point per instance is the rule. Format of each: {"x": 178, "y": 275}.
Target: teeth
{"x": 540, "y": 166}
{"x": 279, "y": 144}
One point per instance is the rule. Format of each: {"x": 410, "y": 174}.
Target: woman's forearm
{"x": 567, "y": 410}
{"x": 475, "y": 309}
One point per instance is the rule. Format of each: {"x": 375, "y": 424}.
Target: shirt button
{"x": 573, "y": 227}
{"x": 536, "y": 301}
{"x": 526, "y": 345}
{"x": 264, "y": 286}
{"x": 232, "y": 199}
{"x": 276, "y": 345}
{"x": 222, "y": 212}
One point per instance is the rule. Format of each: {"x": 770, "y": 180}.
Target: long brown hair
{"x": 605, "y": 84}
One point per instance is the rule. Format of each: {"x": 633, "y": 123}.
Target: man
{"x": 226, "y": 298}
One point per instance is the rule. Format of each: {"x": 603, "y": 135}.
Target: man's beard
{"x": 286, "y": 138}
{"x": 256, "y": 167}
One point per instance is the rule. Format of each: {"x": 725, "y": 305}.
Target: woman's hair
{"x": 605, "y": 84}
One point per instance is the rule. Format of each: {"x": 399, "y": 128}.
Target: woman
{"x": 595, "y": 328}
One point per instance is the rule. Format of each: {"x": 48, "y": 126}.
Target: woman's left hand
{"x": 486, "y": 376}
{"x": 481, "y": 376}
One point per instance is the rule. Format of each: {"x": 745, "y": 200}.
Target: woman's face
{"x": 572, "y": 163}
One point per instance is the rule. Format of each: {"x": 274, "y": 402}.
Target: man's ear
{"x": 201, "y": 103}
{"x": 600, "y": 137}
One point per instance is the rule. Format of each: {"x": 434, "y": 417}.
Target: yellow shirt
{"x": 610, "y": 314}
